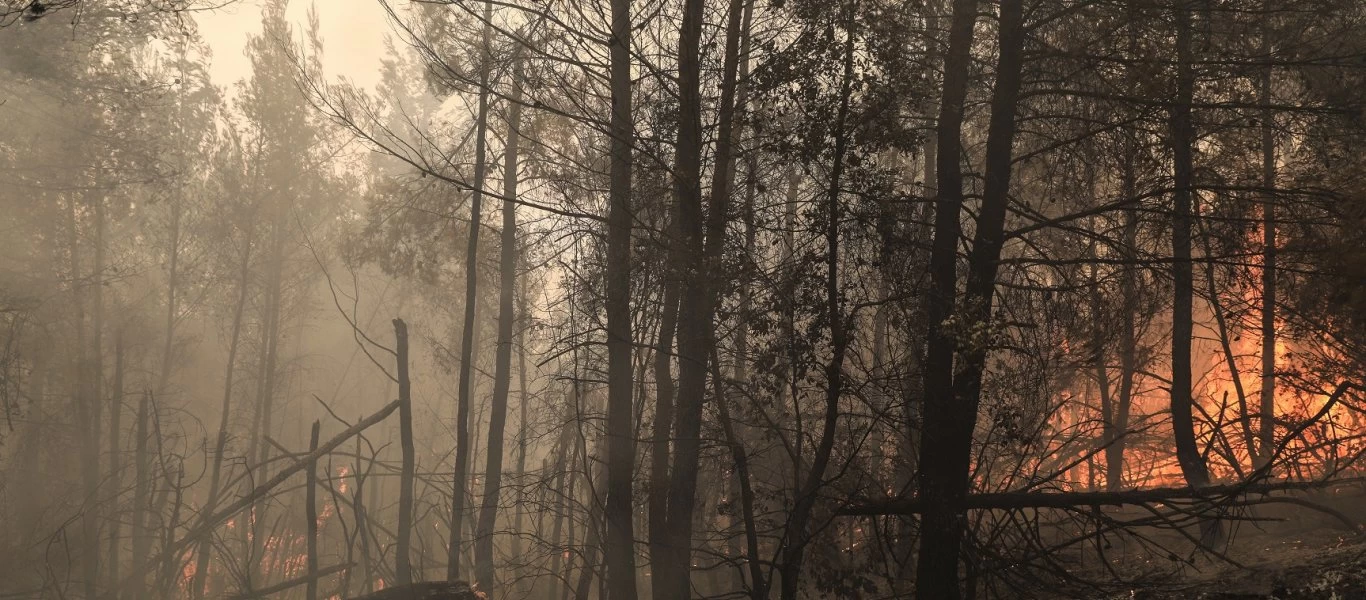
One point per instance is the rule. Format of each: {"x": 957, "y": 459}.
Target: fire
{"x": 1228, "y": 406}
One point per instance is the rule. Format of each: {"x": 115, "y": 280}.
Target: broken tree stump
{"x": 427, "y": 590}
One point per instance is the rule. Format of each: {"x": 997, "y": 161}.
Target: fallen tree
{"x": 209, "y": 522}
{"x": 1017, "y": 500}
{"x": 1255, "y": 483}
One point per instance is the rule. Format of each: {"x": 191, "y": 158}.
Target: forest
{"x": 683, "y": 299}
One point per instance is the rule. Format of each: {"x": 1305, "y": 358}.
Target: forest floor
{"x": 1304, "y": 569}
{"x": 1292, "y": 556}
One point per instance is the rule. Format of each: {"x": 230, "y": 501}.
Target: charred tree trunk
{"x": 462, "y": 411}
{"x": 403, "y": 569}
{"x": 142, "y": 543}
{"x": 671, "y": 545}
{"x": 942, "y": 525}
{"x": 952, "y": 413}
{"x": 1188, "y": 453}
{"x": 1267, "y": 411}
{"x": 311, "y": 515}
{"x": 115, "y": 462}
{"x": 502, "y": 375}
{"x": 620, "y": 555}
{"x": 198, "y": 581}
{"x": 362, "y": 522}
{"x": 702, "y": 243}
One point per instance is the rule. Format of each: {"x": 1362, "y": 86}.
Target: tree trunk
{"x": 1128, "y": 360}
{"x": 84, "y": 401}
{"x": 403, "y": 568}
{"x": 142, "y": 543}
{"x": 951, "y": 417}
{"x": 362, "y": 523}
{"x": 172, "y": 289}
{"x": 620, "y": 555}
{"x": 523, "y": 430}
{"x": 198, "y": 581}
{"x": 311, "y": 515}
{"x": 942, "y": 525}
{"x": 1188, "y": 453}
{"x": 115, "y": 454}
{"x": 462, "y": 416}
{"x": 702, "y": 244}
{"x": 502, "y": 375}
{"x": 1267, "y": 417}
{"x": 267, "y": 375}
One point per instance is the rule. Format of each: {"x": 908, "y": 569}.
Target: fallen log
{"x": 1019, "y": 500}
{"x": 427, "y": 590}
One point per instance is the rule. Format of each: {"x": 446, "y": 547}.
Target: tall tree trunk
{"x": 462, "y": 411}
{"x": 593, "y": 542}
{"x": 951, "y": 417}
{"x": 170, "y": 560}
{"x": 1267, "y": 418}
{"x": 620, "y": 555}
{"x": 941, "y": 523}
{"x": 702, "y": 244}
{"x": 266, "y": 383}
{"x": 1109, "y": 434}
{"x": 502, "y": 374}
{"x": 558, "y": 500}
{"x": 742, "y": 477}
{"x": 1128, "y": 360}
{"x": 403, "y": 568}
{"x": 1188, "y": 453}
{"x": 662, "y": 425}
{"x": 172, "y": 291}
{"x": 198, "y": 581}
{"x": 524, "y": 320}
{"x": 362, "y": 523}
{"x": 311, "y": 515}
{"x": 115, "y": 466}
{"x": 142, "y": 468}
{"x": 85, "y": 400}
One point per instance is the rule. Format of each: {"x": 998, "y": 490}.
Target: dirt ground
{"x": 1294, "y": 554}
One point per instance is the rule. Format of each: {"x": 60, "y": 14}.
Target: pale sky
{"x": 352, "y": 30}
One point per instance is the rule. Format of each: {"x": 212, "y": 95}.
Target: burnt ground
{"x": 1292, "y": 553}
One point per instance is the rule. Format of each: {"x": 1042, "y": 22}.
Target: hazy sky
{"x": 353, "y": 37}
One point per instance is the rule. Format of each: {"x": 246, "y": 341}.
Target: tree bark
{"x": 620, "y": 555}
{"x": 115, "y": 455}
{"x": 403, "y": 569}
{"x": 142, "y": 543}
{"x": 941, "y": 529}
{"x": 1188, "y": 453}
{"x": 198, "y": 581}
{"x": 702, "y": 243}
{"x": 311, "y": 514}
{"x": 1267, "y": 417}
{"x": 502, "y": 375}
{"x": 362, "y": 522}
{"x": 462, "y": 416}
{"x": 951, "y": 417}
